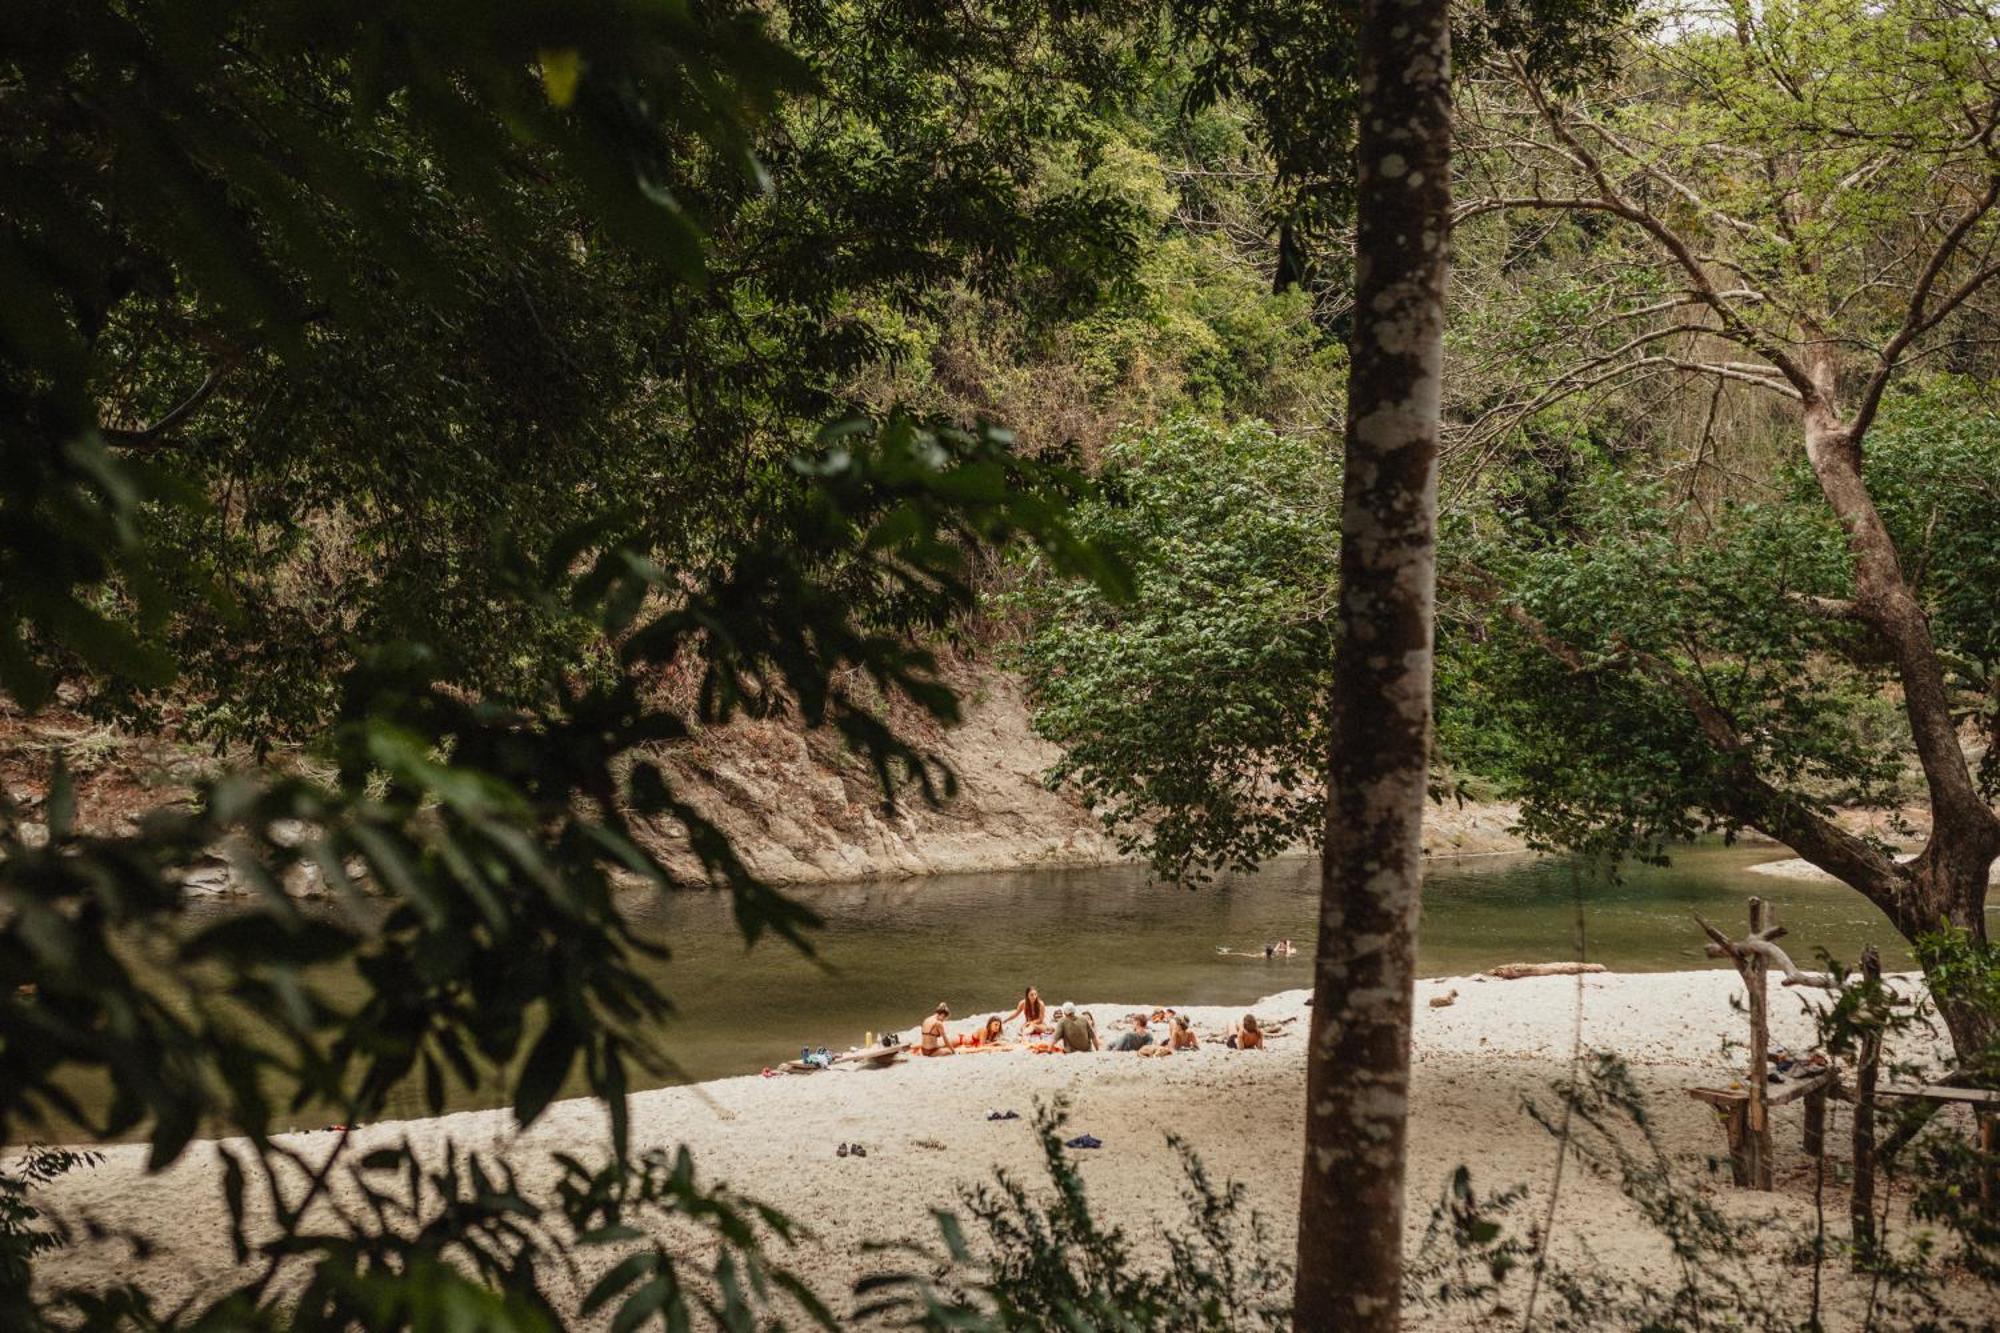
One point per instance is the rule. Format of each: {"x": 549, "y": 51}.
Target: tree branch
{"x": 1749, "y": 797}
{"x": 1735, "y": 327}
{"x": 146, "y": 436}
{"x": 1917, "y": 320}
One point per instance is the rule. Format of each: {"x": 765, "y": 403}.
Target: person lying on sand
{"x": 1031, "y": 1011}
{"x": 931, "y": 1039}
{"x": 1076, "y": 1031}
{"x": 1180, "y": 1037}
{"x": 990, "y": 1037}
{"x": 1246, "y": 1036}
{"x": 1138, "y": 1039}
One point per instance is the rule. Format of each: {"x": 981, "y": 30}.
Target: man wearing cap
{"x": 1076, "y": 1032}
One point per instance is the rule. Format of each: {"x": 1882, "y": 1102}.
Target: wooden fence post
{"x": 1757, "y": 1143}
{"x": 1861, "y": 1206}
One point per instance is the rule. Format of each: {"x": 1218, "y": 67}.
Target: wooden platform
{"x": 1732, "y": 1107}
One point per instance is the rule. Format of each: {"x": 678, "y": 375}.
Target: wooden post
{"x": 1989, "y": 1165}
{"x": 1815, "y": 1140}
{"x": 1861, "y": 1206}
{"x": 1757, "y": 1143}
{"x": 1735, "y": 1125}
{"x": 1754, "y": 956}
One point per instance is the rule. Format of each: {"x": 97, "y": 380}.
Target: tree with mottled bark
{"x": 1357, "y": 1083}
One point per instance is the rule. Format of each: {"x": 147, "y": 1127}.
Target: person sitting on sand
{"x": 931, "y": 1038}
{"x": 1246, "y": 1036}
{"x": 1138, "y": 1039}
{"x": 1180, "y": 1037}
{"x": 1076, "y": 1032}
{"x": 1031, "y": 1011}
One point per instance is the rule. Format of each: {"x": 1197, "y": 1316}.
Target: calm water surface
{"x": 891, "y": 950}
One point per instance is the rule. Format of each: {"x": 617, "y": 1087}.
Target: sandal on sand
{"x": 1003, "y": 1115}
{"x": 841, "y": 1151}
{"x": 1084, "y": 1141}
{"x": 858, "y": 1151}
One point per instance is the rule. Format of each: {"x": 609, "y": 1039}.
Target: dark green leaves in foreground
{"x": 494, "y": 840}
{"x": 495, "y": 836}
{"x": 251, "y": 178}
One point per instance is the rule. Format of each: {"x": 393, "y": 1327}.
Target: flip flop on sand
{"x": 1003, "y": 1115}
{"x": 841, "y": 1151}
{"x": 1084, "y": 1141}
{"x": 858, "y": 1151}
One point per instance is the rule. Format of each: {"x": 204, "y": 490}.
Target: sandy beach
{"x": 923, "y": 1122}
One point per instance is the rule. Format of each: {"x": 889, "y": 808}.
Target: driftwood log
{"x": 1515, "y": 971}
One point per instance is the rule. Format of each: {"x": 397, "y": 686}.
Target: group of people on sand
{"x": 1065, "y": 1029}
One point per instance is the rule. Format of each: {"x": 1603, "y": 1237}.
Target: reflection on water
{"x": 892, "y": 949}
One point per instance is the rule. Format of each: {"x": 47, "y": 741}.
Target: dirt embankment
{"x": 801, "y": 812}
{"x": 799, "y": 808}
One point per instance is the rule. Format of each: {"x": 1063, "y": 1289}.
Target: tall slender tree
{"x": 1357, "y": 1083}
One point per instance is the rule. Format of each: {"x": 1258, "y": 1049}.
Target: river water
{"x": 891, "y": 950}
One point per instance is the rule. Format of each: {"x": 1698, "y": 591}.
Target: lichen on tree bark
{"x": 1351, "y": 1205}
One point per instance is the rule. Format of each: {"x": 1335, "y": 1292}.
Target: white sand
{"x": 1797, "y": 867}
{"x": 1499, "y": 1042}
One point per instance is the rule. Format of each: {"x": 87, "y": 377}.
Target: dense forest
{"x": 433, "y": 416}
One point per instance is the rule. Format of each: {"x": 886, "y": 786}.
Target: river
{"x": 891, "y": 950}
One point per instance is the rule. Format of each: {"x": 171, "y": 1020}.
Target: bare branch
{"x": 1918, "y": 320}
{"x": 143, "y": 436}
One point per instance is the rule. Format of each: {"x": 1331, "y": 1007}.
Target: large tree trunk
{"x": 1357, "y": 1079}
{"x": 1945, "y": 886}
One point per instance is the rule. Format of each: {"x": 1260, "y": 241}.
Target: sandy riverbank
{"x": 1797, "y": 867}
{"x": 924, "y": 1123}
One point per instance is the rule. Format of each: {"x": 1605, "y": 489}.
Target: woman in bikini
{"x": 990, "y": 1037}
{"x": 1031, "y": 1011}
{"x": 1180, "y": 1037}
{"x": 931, "y": 1038}
{"x": 1246, "y": 1036}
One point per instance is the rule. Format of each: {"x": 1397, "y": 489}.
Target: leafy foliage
{"x": 460, "y": 1244}
{"x": 24, "y": 1231}
{"x": 1598, "y": 735}
{"x": 1730, "y": 598}
{"x": 333, "y": 191}
{"x": 434, "y": 296}
{"x": 1190, "y": 716}
{"x": 1049, "y": 1263}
